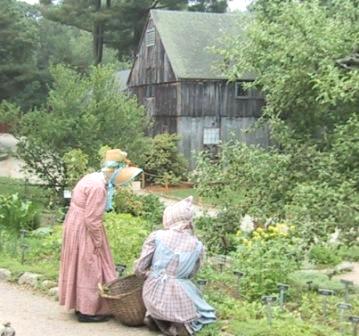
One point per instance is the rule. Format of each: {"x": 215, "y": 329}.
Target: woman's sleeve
{"x": 94, "y": 210}
{"x": 145, "y": 260}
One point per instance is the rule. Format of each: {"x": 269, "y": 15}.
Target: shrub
{"x": 126, "y": 201}
{"x": 218, "y": 233}
{"x": 163, "y": 163}
{"x": 126, "y": 234}
{"x": 324, "y": 254}
{"x": 147, "y": 206}
{"x": 75, "y": 162}
{"x": 266, "y": 263}
{"x": 16, "y": 214}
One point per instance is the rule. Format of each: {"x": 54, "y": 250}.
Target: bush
{"x": 75, "y": 163}
{"x": 147, "y": 206}
{"x": 126, "y": 201}
{"x": 324, "y": 254}
{"x": 17, "y": 215}
{"x": 126, "y": 235}
{"x": 218, "y": 233}
{"x": 164, "y": 164}
{"x": 266, "y": 263}
{"x": 319, "y": 208}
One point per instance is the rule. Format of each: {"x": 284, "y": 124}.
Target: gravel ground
{"x": 32, "y": 314}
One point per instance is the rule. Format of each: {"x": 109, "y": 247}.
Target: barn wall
{"x": 217, "y": 98}
{"x": 151, "y": 65}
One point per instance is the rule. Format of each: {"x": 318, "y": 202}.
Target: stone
{"x": 54, "y": 292}
{"x": 344, "y": 266}
{"x": 4, "y": 274}
{"x": 48, "y": 284}
{"x": 30, "y": 279}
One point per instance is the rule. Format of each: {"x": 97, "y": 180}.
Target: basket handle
{"x": 100, "y": 288}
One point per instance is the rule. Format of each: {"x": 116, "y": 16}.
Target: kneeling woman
{"x": 169, "y": 259}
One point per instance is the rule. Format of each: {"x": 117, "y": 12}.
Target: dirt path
{"x": 351, "y": 276}
{"x": 35, "y": 315}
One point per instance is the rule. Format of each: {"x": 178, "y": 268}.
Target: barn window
{"x": 211, "y": 136}
{"x": 241, "y": 91}
{"x": 150, "y": 37}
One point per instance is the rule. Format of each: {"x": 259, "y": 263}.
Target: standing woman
{"x": 86, "y": 258}
{"x": 169, "y": 259}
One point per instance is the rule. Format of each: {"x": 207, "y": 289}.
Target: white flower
{"x": 334, "y": 237}
{"x": 247, "y": 224}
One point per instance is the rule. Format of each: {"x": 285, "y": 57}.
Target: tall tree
{"x": 117, "y": 23}
{"x": 18, "y": 43}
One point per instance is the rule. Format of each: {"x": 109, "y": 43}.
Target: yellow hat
{"x": 126, "y": 174}
{"x": 115, "y": 155}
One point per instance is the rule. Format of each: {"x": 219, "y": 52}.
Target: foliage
{"x": 149, "y": 207}
{"x": 295, "y": 50}
{"x": 18, "y": 42}
{"x": 324, "y": 254}
{"x": 82, "y": 112}
{"x": 266, "y": 261}
{"x": 75, "y": 162}
{"x": 16, "y": 214}
{"x": 126, "y": 236}
{"x": 287, "y": 327}
{"x": 42, "y": 253}
{"x": 120, "y": 22}
{"x": 126, "y": 201}
{"x": 349, "y": 252}
{"x": 37, "y": 194}
{"x": 261, "y": 177}
{"x": 163, "y": 163}
{"x": 318, "y": 279}
{"x": 304, "y": 186}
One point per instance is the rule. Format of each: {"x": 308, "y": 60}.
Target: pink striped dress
{"x": 86, "y": 258}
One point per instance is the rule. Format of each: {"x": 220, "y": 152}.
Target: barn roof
{"x": 188, "y": 36}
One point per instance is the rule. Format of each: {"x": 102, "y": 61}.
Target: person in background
{"x": 86, "y": 258}
{"x": 168, "y": 261}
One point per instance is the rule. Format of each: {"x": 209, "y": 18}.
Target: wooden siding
{"x": 162, "y": 107}
{"x": 217, "y": 98}
{"x": 151, "y": 64}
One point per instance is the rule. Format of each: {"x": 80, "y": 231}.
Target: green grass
{"x": 49, "y": 269}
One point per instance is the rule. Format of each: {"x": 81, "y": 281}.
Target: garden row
{"x": 235, "y": 281}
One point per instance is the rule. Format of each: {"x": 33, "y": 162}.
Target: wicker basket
{"x": 124, "y": 297}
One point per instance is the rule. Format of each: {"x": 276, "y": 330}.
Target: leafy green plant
{"x": 324, "y": 254}
{"x": 149, "y": 207}
{"x": 266, "y": 263}
{"x": 16, "y": 214}
{"x": 163, "y": 162}
{"x": 126, "y": 234}
{"x": 76, "y": 165}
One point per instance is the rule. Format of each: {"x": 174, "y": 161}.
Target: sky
{"x": 233, "y": 4}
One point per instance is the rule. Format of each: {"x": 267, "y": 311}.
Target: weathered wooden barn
{"x": 175, "y": 76}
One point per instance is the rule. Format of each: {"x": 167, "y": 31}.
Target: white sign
{"x": 67, "y": 193}
{"x": 211, "y": 136}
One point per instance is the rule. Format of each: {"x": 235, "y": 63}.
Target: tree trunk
{"x": 97, "y": 36}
